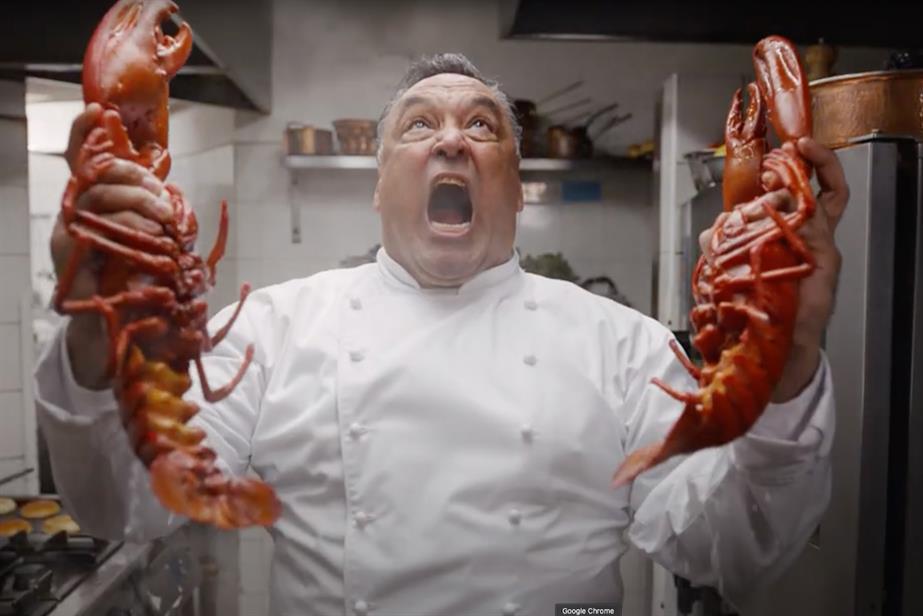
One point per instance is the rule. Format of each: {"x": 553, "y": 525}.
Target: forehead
{"x": 449, "y": 87}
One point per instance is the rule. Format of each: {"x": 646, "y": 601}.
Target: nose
{"x": 450, "y": 143}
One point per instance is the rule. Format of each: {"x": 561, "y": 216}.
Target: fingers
{"x": 80, "y": 128}
{"x": 834, "y": 189}
{"x": 116, "y": 198}
{"x": 121, "y": 171}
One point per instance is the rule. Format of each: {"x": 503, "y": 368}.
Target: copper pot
{"x": 562, "y": 142}
{"x": 566, "y": 142}
{"x": 356, "y": 137}
{"x": 880, "y": 103}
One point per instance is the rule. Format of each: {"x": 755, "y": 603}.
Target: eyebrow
{"x": 482, "y": 101}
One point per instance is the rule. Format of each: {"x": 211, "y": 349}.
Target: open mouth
{"x": 449, "y": 206}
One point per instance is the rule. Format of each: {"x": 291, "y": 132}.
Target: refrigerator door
{"x": 913, "y": 514}
{"x": 841, "y": 571}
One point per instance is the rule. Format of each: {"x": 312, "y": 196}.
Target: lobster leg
{"x": 688, "y": 365}
{"x": 214, "y": 395}
{"x": 221, "y": 333}
{"x": 160, "y": 265}
{"x": 132, "y": 237}
{"x": 682, "y": 396}
{"x": 217, "y": 250}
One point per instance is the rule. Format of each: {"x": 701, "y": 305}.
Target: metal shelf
{"x": 310, "y": 161}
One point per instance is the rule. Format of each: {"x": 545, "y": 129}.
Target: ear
{"x": 520, "y": 198}
{"x": 376, "y": 203}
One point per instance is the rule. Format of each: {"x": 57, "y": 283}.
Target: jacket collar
{"x": 395, "y": 274}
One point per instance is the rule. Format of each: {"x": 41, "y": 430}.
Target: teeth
{"x": 451, "y": 181}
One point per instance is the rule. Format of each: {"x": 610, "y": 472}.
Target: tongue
{"x": 448, "y": 215}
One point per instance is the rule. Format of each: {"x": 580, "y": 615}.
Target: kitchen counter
{"x": 161, "y": 577}
{"x": 115, "y": 573}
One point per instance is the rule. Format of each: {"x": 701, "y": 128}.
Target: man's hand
{"x": 817, "y": 291}
{"x": 125, "y": 193}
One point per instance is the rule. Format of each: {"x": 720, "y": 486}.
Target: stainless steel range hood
{"x": 882, "y": 25}
{"x": 229, "y": 65}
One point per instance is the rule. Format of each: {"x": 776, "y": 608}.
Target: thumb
{"x": 80, "y": 128}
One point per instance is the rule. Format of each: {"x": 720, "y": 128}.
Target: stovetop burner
{"x": 37, "y": 570}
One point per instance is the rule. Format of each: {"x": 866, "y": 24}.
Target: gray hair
{"x": 428, "y": 66}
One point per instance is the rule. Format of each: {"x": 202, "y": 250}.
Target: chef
{"x": 442, "y": 428}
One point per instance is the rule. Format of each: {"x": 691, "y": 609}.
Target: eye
{"x": 481, "y": 123}
{"x": 418, "y": 124}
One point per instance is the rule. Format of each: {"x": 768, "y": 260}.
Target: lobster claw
{"x": 174, "y": 50}
{"x": 745, "y": 139}
{"x": 782, "y": 84}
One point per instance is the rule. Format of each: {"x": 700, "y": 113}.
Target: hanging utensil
{"x": 573, "y": 105}
{"x": 598, "y": 113}
{"x": 613, "y": 121}
{"x": 574, "y": 118}
{"x": 557, "y": 93}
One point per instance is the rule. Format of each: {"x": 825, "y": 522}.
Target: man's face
{"x": 448, "y": 181}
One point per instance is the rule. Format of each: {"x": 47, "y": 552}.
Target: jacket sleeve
{"x": 731, "y": 517}
{"x": 96, "y": 472}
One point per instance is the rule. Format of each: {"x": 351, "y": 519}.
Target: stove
{"x": 38, "y": 570}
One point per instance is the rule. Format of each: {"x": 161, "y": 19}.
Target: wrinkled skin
{"x": 448, "y": 125}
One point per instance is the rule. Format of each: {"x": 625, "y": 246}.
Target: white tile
{"x": 227, "y": 287}
{"x": 582, "y": 233}
{"x": 9, "y": 467}
{"x": 14, "y": 165}
{"x": 259, "y": 173}
{"x": 283, "y": 270}
{"x": 12, "y": 439}
{"x": 13, "y": 98}
{"x": 337, "y": 231}
{"x": 48, "y": 177}
{"x": 250, "y": 271}
{"x": 247, "y": 228}
{"x": 10, "y": 357}
{"x": 254, "y": 604}
{"x": 14, "y": 285}
{"x": 14, "y": 220}
{"x": 538, "y": 230}
{"x": 198, "y": 127}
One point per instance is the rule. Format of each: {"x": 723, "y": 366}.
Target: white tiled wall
{"x": 15, "y": 287}
{"x": 203, "y": 167}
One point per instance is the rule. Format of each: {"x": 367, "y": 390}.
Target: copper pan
{"x": 850, "y": 108}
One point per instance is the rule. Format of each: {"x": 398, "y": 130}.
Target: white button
{"x": 510, "y": 609}
{"x": 527, "y": 433}
{"x": 361, "y": 607}
{"x": 530, "y": 304}
{"x": 356, "y": 430}
{"x": 355, "y": 303}
{"x": 361, "y": 518}
{"x": 356, "y": 355}
{"x": 515, "y": 517}
{"x": 530, "y": 360}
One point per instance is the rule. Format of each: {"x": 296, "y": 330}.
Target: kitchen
{"x": 314, "y": 63}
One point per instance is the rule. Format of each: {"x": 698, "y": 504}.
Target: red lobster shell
{"x": 746, "y": 290}
{"x": 151, "y": 287}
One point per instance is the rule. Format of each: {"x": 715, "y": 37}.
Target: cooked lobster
{"x": 150, "y": 288}
{"x": 746, "y": 286}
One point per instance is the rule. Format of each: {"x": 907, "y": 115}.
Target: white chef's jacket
{"x": 443, "y": 452}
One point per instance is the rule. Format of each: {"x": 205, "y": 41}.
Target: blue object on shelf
{"x": 575, "y": 191}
